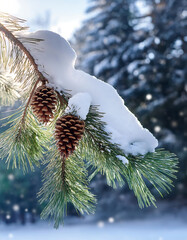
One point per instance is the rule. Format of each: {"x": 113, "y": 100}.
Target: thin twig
{"x": 63, "y": 169}
{"x": 12, "y": 38}
{"x": 22, "y": 122}
{"x": 28, "y": 102}
{"x": 41, "y": 78}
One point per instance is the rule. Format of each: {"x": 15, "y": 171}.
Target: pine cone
{"x": 69, "y": 130}
{"x": 43, "y": 103}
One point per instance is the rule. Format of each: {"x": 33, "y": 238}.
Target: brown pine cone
{"x": 43, "y": 103}
{"x": 68, "y": 131}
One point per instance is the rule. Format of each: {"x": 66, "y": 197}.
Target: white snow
{"x": 150, "y": 229}
{"x": 56, "y": 59}
{"x": 80, "y": 103}
{"x": 123, "y": 159}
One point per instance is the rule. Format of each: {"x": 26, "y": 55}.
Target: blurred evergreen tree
{"x": 140, "y": 47}
{"x": 100, "y": 43}
{"x": 18, "y": 200}
{"x": 18, "y": 192}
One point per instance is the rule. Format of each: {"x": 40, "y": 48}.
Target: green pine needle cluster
{"x": 70, "y": 187}
{"x": 25, "y": 143}
{"x": 158, "y": 168}
{"x": 22, "y": 146}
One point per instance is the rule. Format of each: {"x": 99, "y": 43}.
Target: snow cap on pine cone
{"x": 55, "y": 57}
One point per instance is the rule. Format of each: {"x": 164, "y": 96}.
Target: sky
{"x": 62, "y": 16}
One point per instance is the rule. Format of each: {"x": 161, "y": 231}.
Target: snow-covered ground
{"x": 157, "y": 229}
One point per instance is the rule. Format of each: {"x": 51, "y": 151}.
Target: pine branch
{"x": 100, "y": 152}
{"x": 16, "y": 59}
{"x": 9, "y": 35}
{"x": 27, "y": 105}
{"x": 63, "y": 186}
{"x": 25, "y": 78}
{"x": 25, "y": 137}
{"x": 25, "y": 141}
{"x": 25, "y": 147}
{"x": 157, "y": 168}
{"x": 63, "y": 171}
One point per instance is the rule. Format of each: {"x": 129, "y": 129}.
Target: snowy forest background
{"x": 139, "y": 47}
